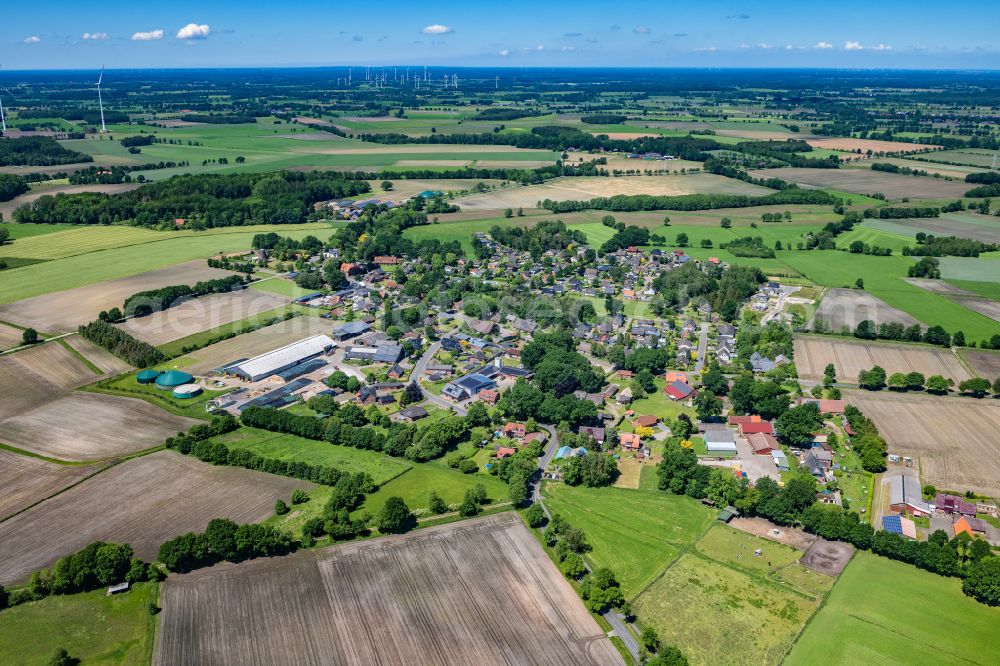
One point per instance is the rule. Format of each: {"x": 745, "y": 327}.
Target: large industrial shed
{"x": 279, "y": 360}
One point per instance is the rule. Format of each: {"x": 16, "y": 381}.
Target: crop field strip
{"x": 980, "y": 304}
{"x": 857, "y": 181}
{"x": 849, "y": 307}
{"x": 984, "y": 363}
{"x": 504, "y": 602}
{"x": 155, "y": 498}
{"x": 26, "y": 480}
{"x": 850, "y": 357}
{"x": 954, "y": 439}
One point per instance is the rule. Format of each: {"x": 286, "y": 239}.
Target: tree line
{"x": 143, "y": 303}
{"x": 12, "y": 186}
{"x": 645, "y": 202}
{"x": 133, "y": 351}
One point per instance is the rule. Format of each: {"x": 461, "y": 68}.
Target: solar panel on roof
{"x": 892, "y": 524}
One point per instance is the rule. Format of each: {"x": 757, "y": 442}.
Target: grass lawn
{"x": 885, "y": 612}
{"x": 92, "y": 627}
{"x": 658, "y": 404}
{"x": 281, "y": 286}
{"x": 126, "y": 385}
{"x": 290, "y": 447}
{"x": 635, "y": 533}
{"x": 415, "y": 486}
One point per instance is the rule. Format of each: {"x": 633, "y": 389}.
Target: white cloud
{"x": 766, "y": 47}
{"x": 568, "y": 48}
{"x": 34, "y": 39}
{"x": 640, "y": 30}
{"x": 745, "y": 46}
{"x": 194, "y": 31}
{"x": 95, "y": 35}
{"x": 823, "y": 46}
{"x": 853, "y": 46}
{"x": 706, "y": 49}
{"x": 437, "y": 29}
{"x": 148, "y": 36}
{"x": 504, "y": 53}
{"x": 881, "y": 47}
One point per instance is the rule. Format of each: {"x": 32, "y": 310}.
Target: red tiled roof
{"x": 756, "y": 427}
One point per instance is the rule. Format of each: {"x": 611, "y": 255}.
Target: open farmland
{"x": 252, "y": 344}
{"x": 848, "y": 144}
{"x": 10, "y": 337}
{"x": 885, "y": 612}
{"x": 108, "y": 363}
{"x": 850, "y": 357}
{"x": 849, "y": 307}
{"x": 63, "y": 311}
{"x": 590, "y": 187}
{"x": 859, "y": 181}
{"x": 200, "y": 314}
{"x": 154, "y": 497}
{"x": 954, "y": 439}
{"x": 404, "y": 188}
{"x": 980, "y": 304}
{"x": 27, "y": 480}
{"x": 91, "y": 426}
{"x": 964, "y": 225}
{"x": 54, "y": 364}
{"x": 983, "y": 362}
{"x": 69, "y": 241}
{"x": 481, "y": 591}
{"x": 970, "y": 156}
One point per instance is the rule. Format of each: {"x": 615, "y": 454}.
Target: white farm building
{"x": 281, "y": 359}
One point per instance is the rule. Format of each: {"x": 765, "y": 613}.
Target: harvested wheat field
{"x": 849, "y": 307}
{"x": 249, "y": 345}
{"x": 476, "y": 592}
{"x": 10, "y": 337}
{"x": 850, "y": 357}
{"x": 953, "y": 439}
{"x": 201, "y": 314}
{"x": 983, "y": 362}
{"x": 154, "y": 498}
{"x": 864, "y": 145}
{"x": 27, "y": 480}
{"x": 64, "y": 311}
{"x": 591, "y": 187}
{"x": 91, "y": 426}
{"x": 860, "y": 181}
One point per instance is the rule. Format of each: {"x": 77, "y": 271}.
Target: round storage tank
{"x": 186, "y": 391}
{"x": 173, "y": 378}
{"x": 147, "y": 376}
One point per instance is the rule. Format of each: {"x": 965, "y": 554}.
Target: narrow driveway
{"x": 699, "y": 362}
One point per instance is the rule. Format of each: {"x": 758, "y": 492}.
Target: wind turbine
{"x": 100, "y": 101}
{"x": 3, "y": 120}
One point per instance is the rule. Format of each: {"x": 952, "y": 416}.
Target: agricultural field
{"x": 953, "y": 439}
{"x": 980, "y": 269}
{"x": 26, "y": 480}
{"x": 954, "y": 171}
{"x": 636, "y": 533}
{"x": 64, "y": 311}
{"x": 964, "y": 225}
{"x": 154, "y": 498}
{"x": 970, "y": 156}
{"x": 985, "y": 306}
{"x": 200, "y": 314}
{"x": 109, "y": 364}
{"x": 849, "y": 307}
{"x": 851, "y": 145}
{"x": 336, "y": 600}
{"x": 248, "y": 345}
{"x": 850, "y": 357}
{"x": 380, "y": 467}
{"x": 415, "y": 485}
{"x": 984, "y": 363}
{"x": 53, "y": 364}
{"x": 68, "y": 241}
{"x": 404, "y": 188}
{"x": 885, "y": 612}
{"x": 92, "y": 627}
{"x": 91, "y": 426}
{"x": 589, "y": 187}
{"x": 859, "y": 181}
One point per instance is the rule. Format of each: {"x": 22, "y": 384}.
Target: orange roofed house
{"x": 630, "y": 441}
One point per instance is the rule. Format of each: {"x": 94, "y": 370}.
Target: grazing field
{"x": 589, "y": 187}
{"x": 953, "y": 439}
{"x": 252, "y": 344}
{"x": 91, "y": 426}
{"x": 849, "y": 307}
{"x": 636, "y": 533}
{"x": 860, "y": 181}
{"x": 291, "y": 448}
{"x": 982, "y": 305}
{"x": 864, "y": 145}
{"x": 850, "y": 357}
{"x": 154, "y": 498}
{"x": 64, "y": 311}
{"x": 721, "y": 613}
{"x": 200, "y": 314}
{"x": 92, "y": 627}
{"x": 480, "y": 591}
{"x": 983, "y": 362}
{"x": 27, "y": 480}
{"x": 885, "y": 612}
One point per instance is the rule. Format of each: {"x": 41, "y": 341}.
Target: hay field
{"x": 201, "y": 314}
{"x": 849, "y": 307}
{"x": 27, "y": 480}
{"x": 864, "y": 145}
{"x": 10, "y": 337}
{"x": 73, "y": 241}
{"x": 590, "y": 187}
{"x": 953, "y": 439}
{"x": 91, "y": 426}
{"x": 860, "y": 181}
{"x": 980, "y": 304}
{"x": 64, "y": 311}
{"x": 142, "y": 502}
{"x": 481, "y": 591}
{"x": 984, "y": 363}
{"x": 253, "y": 344}
{"x": 850, "y": 357}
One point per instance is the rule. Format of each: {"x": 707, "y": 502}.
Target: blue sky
{"x": 778, "y": 33}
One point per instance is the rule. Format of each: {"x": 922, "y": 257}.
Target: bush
{"x": 535, "y": 516}
{"x": 299, "y": 496}
{"x": 280, "y": 508}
